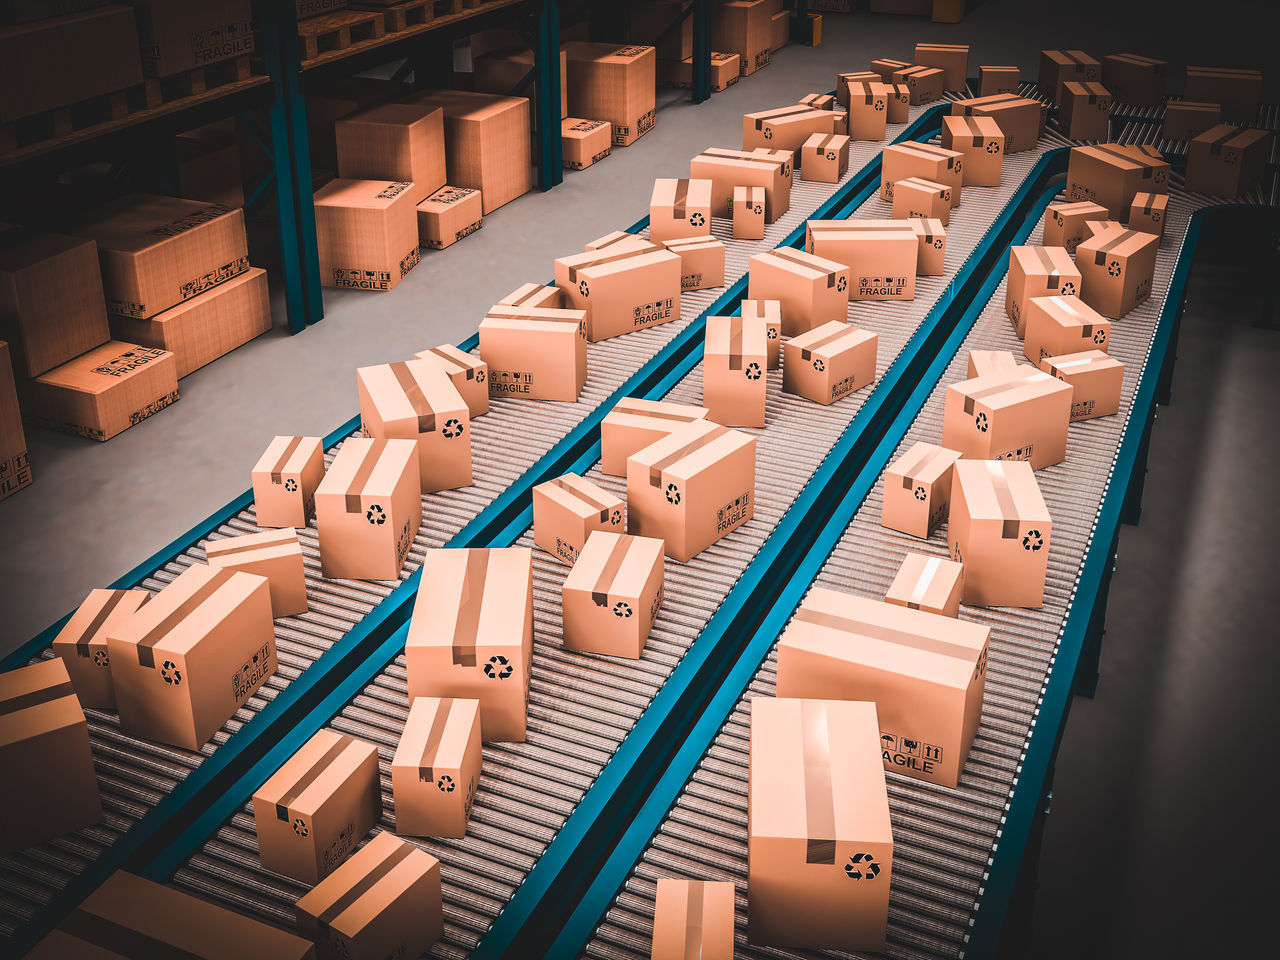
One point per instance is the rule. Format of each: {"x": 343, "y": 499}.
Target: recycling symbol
{"x": 101, "y": 659}
{"x": 911, "y": 81}
{"x": 993, "y": 147}
{"x": 697, "y": 219}
{"x": 1155, "y": 216}
{"x": 1068, "y": 289}
{"x": 622, "y": 610}
{"x": 445, "y": 784}
{"x": 615, "y": 517}
{"x": 1100, "y": 336}
{"x": 818, "y": 364}
{"x": 768, "y": 133}
{"x": 1160, "y": 176}
{"x": 582, "y": 288}
{"x": 300, "y": 827}
{"x": 959, "y": 166}
{"x": 1033, "y": 540}
{"x": 879, "y": 104}
{"x": 376, "y": 515}
{"x": 673, "y": 494}
{"x": 856, "y": 870}
{"x": 842, "y": 284}
{"x": 772, "y": 333}
{"x": 479, "y": 376}
{"x": 758, "y": 209}
{"x": 172, "y": 675}
{"x": 753, "y": 371}
{"x": 498, "y": 668}
{"x": 938, "y": 243}
{"x": 831, "y": 154}
{"x": 291, "y": 485}
{"x": 980, "y": 421}
{"x": 452, "y": 428}
{"x": 1113, "y": 268}
{"x": 920, "y": 494}
{"x": 1229, "y": 157}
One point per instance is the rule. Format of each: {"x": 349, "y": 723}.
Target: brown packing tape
{"x": 986, "y": 393}
{"x": 913, "y": 466}
{"x": 573, "y": 271}
{"x": 1004, "y": 499}
{"x": 1215, "y": 146}
{"x": 693, "y": 921}
{"x": 89, "y": 632}
{"x": 311, "y": 775}
{"x": 466, "y": 628}
{"x": 1100, "y": 256}
{"x": 681, "y": 200}
{"x": 146, "y": 651}
{"x": 248, "y": 547}
{"x": 358, "y": 482}
{"x": 1050, "y": 270}
{"x": 1148, "y": 164}
{"x": 117, "y": 939}
{"x": 457, "y": 364}
{"x": 859, "y": 628}
{"x": 426, "y": 763}
{"x": 413, "y": 392}
{"x": 34, "y": 698}
{"x": 609, "y": 573}
{"x": 671, "y": 459}
{"x": 362, "y": 886}
{"x": 806, "y": 353}
{"x": 284, "y": 459}
{"x": 585, "y": 496}
{"x": 735, "y": 343}
{"x": 819, "y": 799}
{"x": 656, "y": 414}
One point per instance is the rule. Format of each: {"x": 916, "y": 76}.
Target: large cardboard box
{"x": 868, "y": 110}
{"x": 1057, "y": 67}
{"x": 436, "y": 767}
{"x": 276, "y": 555}
{"x": 535, "y": 353}
{"x": 367, "y": 233}
{"x": 611, "y": 597}
{"x": 917, "y": 489}
{"x": 1096, "y": 381}
{"x": 448, "y": 215}
{"x": 568, "y": 509}
{"x": 82, "y": 643}
{"x": 726, "y": 69}
{"x": 1134, "y": 80}
{"x": 917, "y": 198}
{"x": 314, "y": 811}
{"x": 880, "y": 256}
{"x": 285, "y": 479}
{"x": 471, "y": 634}
{"x": 679, "y": 208}
{"x": 15, "y": 466}
{"x": 1006, "y": 417}
{"x": 184, "y": 663}
{"x": 584, "y": 142}
{"x": 1226, "y": 161}
{"x": 621, "y": 291}
{"x": 729, "y": 169}
{"x": 785, "y": 128}
{"x": 1021, "y": 120}
{"x": 468, "y": 374}
{"x": 932, "y": 238}
{"x": 812, "y": 289}
{"x": 1111, "y": 175}
{"x": 902, "y": 160}
{"x": 1147, "y": 213}
{"x": 980, "y": 143}
{"x": 830, "y": 362}
{"x": 930, "y": 584}
{"x": 402, "y": 142}
{"x": 817, "y": 818}
{"x": 692, "y": 918}
{"x": 824, "y": 157}
{"x": 633, "y": 424}
{"x": 770, "y": 311}
{"x": 1085, "y": 111}
{"x": 998, "y": 79}
{"x": 1037, "y": 272}
{"x": 1064, "y": 223}
{"x": 748, "y": 213}
{"x": 951, "y": 58}
{"x": 744, "y": 27}
{"x": 1116, "y": 267}
{"x": 701, "y": 261}
{"x": 618, "y": 84}
{"x": 176, "y": 36}
{"x": 1186, "y": 119}
{"x": 1057, "y": 325}
{"x": 734, "y": 360}
{"x": 501, "y": 71}
{"x": 924, "y": 84}
{"x": 1237, "y": 91}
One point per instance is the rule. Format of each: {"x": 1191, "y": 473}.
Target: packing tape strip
{"x": 121, "y": 940}
{"x": 146, "y": 651}
{"x": 916, "y": 597}
{"x": 413, "y": 392}
{"x": 99, "y": 619}
{"x": 735, "y": 343}
{"x": 913, "y": 465}
{"x": 874, "y": 631}
{"x": 1100, "y": 255}
{"x": 586, "y": 496}
{"x": 370, "y": 462}
{"x": 457, "y": 366}
{"x": 234, "y": 547}
{"x": 1004, "y": 499}
{"x": 693, "y": 920}
{"x": 609, "y": 572}
{"x": 1047, "y": 264}
{"x": 806, "y": 353}
{"x": 466, "y": 626}
{"x": 289, "y": 449}
{"x": 819, "y": 800}
{"x": 426, "y": 763}
{"x": 33, "y": 698}
{"x": 671, "y": 459}
{"x": 680, "y": 200}
{"x": 311, "y": 775}
{"x": 352, "y": 894}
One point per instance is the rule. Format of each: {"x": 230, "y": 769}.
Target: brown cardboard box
{"x": 367, "y": 232}
{"x": 734, "y": 359}
{"x": 276, "y": 555}
{"x": 899, "y": 103}
{"x": 448, "y": 215}
{"x": 1148, "y": 212}
{"x": 994, "y": 80}
{"x": 744, "y": 27}
{"x": 660, "y": 24}
{"x": 159, "y": 251}
{"x": 128, "y": 916}
{"x": 545, "y": 295}
{"x": 1064, "y": 223}
{"x": 692, "y": 487}
{"x": 784, "y": 128}
{"x": 314, "y": 811}
{"x": 1227, "y": 161}
{"x": 701, "y": 262}
{"x": 885, "y": 68}
{"x": 925, "y": 672}
{"x": 1021, "y": 120}
{"x": 780, "y": 30}
{"x": 951, "y": 58}
{"x": 633, "y": 424}
{"x": 868, "y": 110}
{"x": 619, "y": 238}
{"x": 611, "y": 597}
{"x": 987, "y": 363}
{"x": 1057, "y": 325}
{"x": 1134, "y": 80}
{"x": 1112, "y": 175}
{"x": 1037, "y": 272}
{"x": 1059, "y": 66}
{"x": 932, "y": 252}
{"x": 472, "y": 635}
{"x": 930, "y": 584}
{"x": 468, "y": 374}
{"x": 535, "y": 353}
{"x": 501, "y": 71}
{"x": 206, "y": 327}
{"x": 725, "y": 71}
{"x": 692, "y": 918}
{"x": 285, "y": 479}
{"x": 176, "y": 37}
{"x": 999, "y": 528}
{"x": 44, "y": 739}
{"x": 1085, "y": 111}
{"x": 817, "y": 816}
{"x": 844, "y": 80}
{"x": 1095, "y": 378}
{"x": 824, "y": 157}
{"x": 1008, "y": 418}
{"x": 368, "y": 509}
{"x": 770, "y": 311}
{"x": 383, "y": 902}
{"x": 915, "y": 197}
{"x": 902, "y": 160}
{"x": 818, "y": 101}
{"x": 82, "y": 643}
{"x": 51, "y": 307}
{"x": 415, "y": 400}
{"x": 1237, "y": 91}
{"x": 1116, "y": 269}
{"x": 924, "y": 84}
{"x": 330, "y": 102}
{"x": 1186, "y": 120}
{"x": 608, "y": 82}
{"x": 679, "y": 208}
{"x": 880, "y": 256}
{"x": 184, "y": 663}
{"x": 980, "y": 143}
{"x": 829, "y": 362}
{"x": 811, "y": 288}
{"x": 917, "y": 490}
{"x": 584, "y": 142}
{"x": 748, "y": 213}
{"x": 436, "y": 767}
{"x": 623, "y": 291}
{"x": 567, "y": 509}
{"x": 727, "y": 169}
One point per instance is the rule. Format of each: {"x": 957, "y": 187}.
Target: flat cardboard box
{"x": 501, "y": 71}
{"x": 770, "y": 311}
{"x": 1238, "y": 91}
{"x": 784, "y": 128}
{"x": 471, "y": 634}
{"x": 1064, "y": 223}
{"x": 880, "y": 255}
{"x": 1057, "y": 67}
{"x": 468, "y": 374}
{"x": 1134, "y": 80}
{"x": 1096, "y": 380}
{"x": 725, "y": 71}
{"x": 744, "y": 27}
{"x": 611, "y": 597}
{"x": 568, "y": 509}
{"x": 312, "y": 813}
{"x": 817, "y": 817}
{"x": 951, "y": 58}
{"x": 986, "y": 363}
{"x": 917, "y": 490}
{"x": 692, "y": 918}
{"x": 1116, "y": 268}
{"x": 82, "y": 643}
{"x": 633, "y": 424}
{"x": 1037, "y": 272}
{"x": 368, "y": 509}
{"x": 535, "y": 353}
{"x": 367, "y": 233}
{"x": 924, "y": 84}
{"x": 692, "y": 487}
{"x": 999, "y": 528}
{"x": 812, "y": 289}
{"x": 932, "y": 238}
{"x": 1227, "y": 161}
{"x": 276, "y": 555}
{"x": 172, "y": 660}
{"x": 931, "y": 584}
{"x": 1057, "y": 325}
{"x": 436, "y": 767}
{"x": 394, "y": 141}
{"x": 1186, "y": 119}
{"x": 1085, "y": 111}
{"x": 917, "y": 198}
{"x": 748, "y": 213}
{"x": 867, "y": 103}
{"x": 1111, "y": 175}
{"x": 830, "y": 362}
{"x": 679, "y": 208}
{"x": 608, "y": 82}
{"x": 980, "y": 143}
{"x": 179, "y": 37}
{"x": 1148, "y": 212}
{"x": 902, "y": 160}
{"x": 702, "y": 261}
{"x": 734, "y": 361}
{"x": 623, "y": 291}
{"x": 885, "y": 68}
{"x": 448, "y": 215}
{"x": 1008, "y": 418}
{"x": 15, "y": 467}
{"x": 584, "y": 142}
{"x": 383, "y": 902}
{"x": 824, "y": 157}
{"x": 993, "y": 80}
{"x": 926, "y": 673}
{"x": 1021, "y": 120}
{"x": 285, "y": 479}
{"x": 545, "y": 295}
{"x": 728, "y": 169}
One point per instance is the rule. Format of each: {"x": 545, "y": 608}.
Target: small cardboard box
{"x": 1134, "y": 80}
{"x": 812, "y": 289}
{"x": 924, "y": 84}
{"x": 989, "y": 363}
{"x": 568, "y": 509}
{"x": 880, "y": 255}
{"x": 1148, "y": 212}
{"x": 1186, "y": 120}
{"x": 884, "y": 68}
{"x": 993, "y": 80}
{"x": 448, "y": 215}
{"x": 932, "y": 253}
{"x": 917, "y": 490}
{"x": 180, "y": 37}
{"x": 725, "y": 70}
{"x": 930, "y": 584}
{"x": 829, "y": 362}
{"x": 1064, "y": 223}
{"x": 748, "y": 213}
{"x": 1238, "y": 91}
{"x": 1085, "y": 111}
{"x": 44, "y": 739}
{"x": 728, "y": 169}
{"x": 285, "y": 479}
{"x": 999, "y": 528}
{"x": 679, "y": 208}
{"x": 843, "y": 80}
{"x": 784, "y": 128}
{"x": 1057, "y": 325}
{"x": 818, "y": 101}
{"x": 368, "y": 509}
{"x": 535, "y": 353}
{"x": 1096, "y": 380}
{"x": 314, "y": 811}
{"x": 915, "y": 197}
{"x": 1057, "y": 67}
{"x": 817, "y": 817}
{"x": 1227, "y": 161}
{"x": 1021, "y": 120}
{"x": 1009, "y": 418}
{"x": 692, "y": 918}
{"x": 734, "y": 361}
{"x": 692, "y": 487}
{"x": 103, "y": 392}
{"x": 383, "y": 902}
{"x": 82, "y": 643}
{"x": 468, "y": 374}
{"x": 621, "y": 291}
{"x": 415, "y": 400}
{"x": 471, "y": 634}
{"x": 546, "y": 295}
{"x": 15, "y": 467}
{"x": 185, "y": 662}
{"x": 1117, "y": 267}
{"x": 701, "y": 262}
{"x": 367, "y": 233}
{"x": 951, "y": 58}
{"x": 824, "y": 157}
{"x": 868, "y": 106}
{"x": 980, "y": 143}
{"x": 401, "y": 142}
{"x": 611, "y": 597}
{"x": 584, "y": 142}
{"x": 925, "y": 672}
{"x": 276, "y": 555}
{"x": 1037, "y": 272}
{"x": 436, "y": 767}
{"x": 770, "y": 311}
{"x": 899, "y": 103}
{"x": 902, "y": 160}
{"x": 1111, "y": 175}
{"x": 633, "y": 424}
{"x": 618, "y": 84}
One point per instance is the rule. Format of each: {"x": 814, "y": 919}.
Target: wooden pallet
{"x": 195, "y": 82}
{"x": 63, "y": 121}
{"x": 398, "y": 17}
{"x": 337, "y": 31}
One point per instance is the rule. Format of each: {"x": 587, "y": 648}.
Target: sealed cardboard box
{"x": 1037, "y": 272}
{"x": 618, "y": 239}
{"x": 1057, "y": 325}
{"x": 1111, "y": 175}
{"x": 781, "y": 30}
{"x": 367, "y": 233}
{"x": 844, "y": 80}
{"x": 748, "y": 213}
{"x": 185, "y": 662}
{"x": 999, "y": 528}
{"x": 692, "y": 918}
{"x": 1064, "y": 223}
{"x": 1008, "y": 418}
{"x": 468, "y": 374}
{"x": 1148, "y": 212}
{"x": 692, "y": 487}
{"x": 812, "y": 289}
{"x": 584, "y": 142}
{"x": 1085, "y": 111}
{"x": 535, "y": 353}
{"x": 611, "y": 597}
{"x": 829, "y": 362}
{"x": 436, "y": 767}
{"x": 745, "y": 27}
{"x": 568, "y": 509}
{"x": 817, "y": 817}
{"x": 701, "y": 262}
{"x": 770, "y": 311}
{"x": 1186, "y": 120}
{"x": 448, "y": 215}
{"x": 178, "y": 37}
{"x": 82, "y": 643}
{"x": 951, "y": 58}
{"x": 401, "y": 142}
{"x": 503, "y": 70}
{"x": 1057, "y": 67}
{"x": 633, "y": 424}
{"x": 471, "y": 634}
{"x": 1096, "y": 380}
{"x": 734, "y": 360}
{"x": 276, "y": 555}
{"x": 15, "y": 466}
{"x": 987, "y": 363}
{"x": 415, "y": 400}
{"x": 880, "y": 256}
{"x": 383, "y": 902}
{"x": 608, "y": 82}
{"x": 1226, "y": 161}
{"x": 1021, "y": 120}
{"x": 924, "y": 84}
{"x": 1237, "y": 91}
{"x": 931, "y": 584}
{"x": 784, "y": 128}
{"x": 546, "y": 295}
{"x": 285, "y": 479}
{"x": 926, "y": 673}
{"x": 868, "y": 106}
{"x": 1133, "y": 79}
{"x": 932, "y": 239}
{"x": 621, "y": 290}
{"x": 368, "y": 509}
{"x": 885, "y": 68}
{"x": 824, "y": 157}
{"x": 915, "y": 197}
{"x": 996, "y": 79}
{"x": 728, "y": 169}
{"x": 917, "y": 489}
{"x": 902, "y": 160}
{"x": 679, "y": 208}
{"x": 314, "y": 811}
{"x": 980, "y": 143}
{"x": 899, "y": 103}
{"x": 725, "y": 71}
{"x": 818, "y": 101}
{"x": 44, "y": 738}
{"x": 1117, "y": 267}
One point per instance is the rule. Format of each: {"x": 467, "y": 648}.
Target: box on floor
{"x": 584, "y": 142}
{"x": 608, "y": 82}
{"x": 367, "y": 233}
{"x": 448, "y": 215}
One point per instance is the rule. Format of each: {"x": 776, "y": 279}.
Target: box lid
{"x": 1126, "y": 158}
{"x": 436, "y": 735}
{"x": 1192, "y": 106}
{"x": 922, "y": 581}
{"x": 470, "y": 599}
{"x": 1066, "y": 365}
{"x": 1242, "y": 73}
{"x": 1226, "y": 135}
{"x": 1038, "y": 261}
{"x": 100, "y": 613}
{"x": 393, "y": 114}
{"x": 739, "y": 339}
{"x": 1003, "y": 490}
{"x": 692, "y": 448}
{"x": 662, "y": 412}
{"x": 926, "y": 150}
{"x": 139, "y": 221}
{"x": 582, "y": 497}
{"x": 1066, "y": 57}
{"x": 607, "y": 52}
{"x": 997, "y": 101}
{"x": 917, "y": 70}
{"x": 452, "y": 360}
{"x": 825, "y": 141}
{"x": 287, "y": 455}
{"x": 1070, "y": 312}
{"x": 37, "y": 699}
{"x": 1089, "y": 88}
{"x": 1079, "y": 207}
{"x": 613, "y": 254}
{"x": 614, "y": 565}
{"x": 575, "y": 128}
{"x": 539, "y": 293}
{"x": 1000, "y": 390}
{"x": 789, "y": 114}
{"x": 923, "y": 463}
{"x": 446, "y": 198}
{"x": 920, "y": 183}
{"x": 950, "y": 47}
{"x": 686, "y": 244}
{"x": 768, "y": 310}
{"x": 367, "y": 468}
{"x": 1146, "y": 202}
{"x": 254, "y": 546}
{"x": 362, "y": 194}
{"x": 927, "y": 229}
{"x": 104, "y": 367}
{"x": 310, "y": 776}
{"x": 559, "y": 327}
{"x": 1114, "y": 243}
{"x": 829, "y": 340}
{"x": 979, "y": 128}
{"x": 681, "y": 194}
{"x": 412, "y": 390}
{"x": 537, "y": 314}
{"x": 1135, "y": 59}
{"x": 802, "y": 264}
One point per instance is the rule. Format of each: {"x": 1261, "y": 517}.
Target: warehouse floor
{"x": 1150, "y": 772}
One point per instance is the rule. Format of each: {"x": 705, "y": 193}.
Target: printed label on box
{"x": 181, "y": 225}
{"x": 510, "y": 381}
{"x": 251, "y": 673}
{"x": 881, "y": 286}
{"x": 361, "y": 279}
{"x": 655, "y": 312}
{"x": 910, "y": 753}
{"x": 152, "y": 408}
{"x": 213, "y": 278}
{"x": 129, "y": 361}
{"x": 732, "y": 514}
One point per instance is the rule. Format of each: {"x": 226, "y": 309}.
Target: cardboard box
{"x": 1134, "y": 80}
{"x": 611, "y": 597}
{"x": 82, "y": 643}
{"x": 880, "y": 256}
{"x": 1227, "y": 161}
{"x": 1085, "y": 111}
{"x": 679, "y": 208}
{"x": 728, "y": 169}
{"x": 951, "y": 58}
{"x": 725, "y": 71}
{"x": 885, "y": 68}
{"x": 664, "y": 25}
{"x": 784, "y": 128}
{"x": 1117, "y": 267}
{"x": 987, "y": 363}
{"x": 917, "y": 490}
{"x": 770, "y": 311}
{"x": 1037, "y": 272}
{"x": 902, "y": 160}
{"x": 633, "y": 424}
{"x": 701, "y": 262}
{"x": 1186, "y": 120}
{"x": 1008, "y": 418}
{"x": 276, "y": 555}
{"x": 285, "y": 479}
{"x": 829, "y": 362}
{"x": 383, "y": 902}
{"x": 1021, "y": 120}
{"x": 868, "y": 110}
{"x": 1064, "y": 223}
{"x": 468, "y": 374}
{"x": 780, "y": 32}
{"x": 824, "y": 157}
{"x": 621, "y": 291}
{"x": 924, "y": 84}
{"x": 502, "y": 71}
{"x": 932, "y": 252}
{"x": 925, "y": 672}
{"x": 618, "y": 239}
{"x": 734, "y": 360}
{"x": 692, "y": 487}
{"x": 1111, "y": 175}
{"x": 817, "y": 817}
{"x": 692, "y": 918}
{"x": 818, "y": 101}
{"x": 535, "y": 353}
{"x": 1095, "y": 378}
{"x": 1148, "y": 212}
{"x": 544, "y": 295}
{"x": 812, "y": 289}
{"x": 584, "y": 142}
{"x": 184, "y": 663}
{"x": 178, "y": 37}
{"x": 15, "y": 466}
{"x": 436, "y": 767}
{"x": 993, "y": 80}
{"x": 1057, "y": 67}
{"x": 368, "y": 509}
{"x": 1057, "y": 325}
{"x": 331, "y": 101}
{"x": 999, "y": 528}
{"x": 314, "y": 811}
{"x": 844, "y": 80}
{"x": 367, "y": 233}
{"x": 915, "y": 197}
{"x": 1237, "y": 91}
{"x": 980, "y": 143}
{"x": 930, "y": 584}
{"x": 899, "y": 103}
{"x": 159, "y": 251}
{"x": 448, "y": 215}
{"x": 44, "y": 739}
{"x": 744, "y": 27}
{"x": 748, "y": 213}
{"x": 471, "y": 635}
{"x": 567, "y": 509}
{"x": 608, "y": 82}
